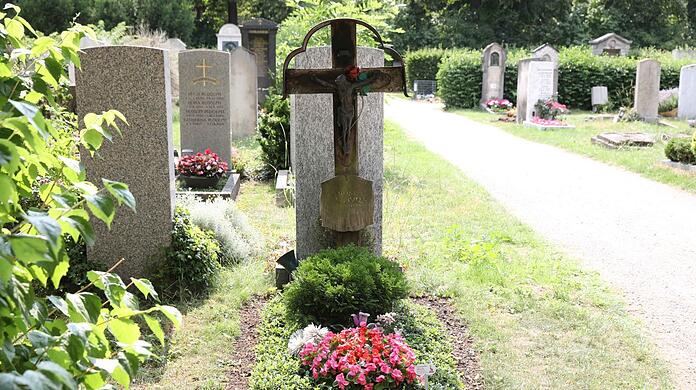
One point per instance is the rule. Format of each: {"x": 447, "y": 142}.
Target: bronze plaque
{"x": 347, "y": 203}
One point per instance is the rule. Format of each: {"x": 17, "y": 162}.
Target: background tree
{"x": 176, "y": 17}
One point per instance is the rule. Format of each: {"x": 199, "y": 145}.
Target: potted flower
{"x": 547, "y": 113}
{"x": 201, "y": 170}
{"x": 498, "y": 106}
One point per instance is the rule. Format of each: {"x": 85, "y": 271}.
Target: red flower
{"x": 352, "y": 73}
{"x": 207, "y": 164}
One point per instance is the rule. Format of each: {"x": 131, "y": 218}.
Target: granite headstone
{"x": 259, "y": 36}
{"x": 610, "y": 44}
{"x": 493, "y": 62}
{"x": 687, "y": 92}
{"x": 647, "y": 91}
{"x": 243, "y": 93}
{"x": 135, "y": 81}
{"x": 204, "y": 98}
{"x": 312, "y": 149}
{"x": 535, "y": 82}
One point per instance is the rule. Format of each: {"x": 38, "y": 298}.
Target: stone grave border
{"x": 229, "y": 191}
{"x": 547, "y": 127}
{"x": 691, "y": 168}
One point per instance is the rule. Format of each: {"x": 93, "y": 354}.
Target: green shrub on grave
{"x": 274, "y": 133}
{"x": 335, "y": 283}
{"x": 423, "y": 64}
{"x": 191, "y": 262}
{"x": 460, "y": 76}
{"x": 680, "y": 150}
{"x": 693, "y": 144}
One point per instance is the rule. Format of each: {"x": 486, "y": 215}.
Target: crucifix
{"x": 347, "y": 200}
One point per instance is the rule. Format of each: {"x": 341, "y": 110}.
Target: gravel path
{"x": 640, "y": 235}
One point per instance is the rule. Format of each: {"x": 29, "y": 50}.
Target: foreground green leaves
{"x": 77, "y": 340}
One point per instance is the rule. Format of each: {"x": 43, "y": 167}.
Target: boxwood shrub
{"x": 423, "y": 64}
{"x": 333, "y": 284}
{"x": 460, "y": 76}
{"x": 680, "y": 150}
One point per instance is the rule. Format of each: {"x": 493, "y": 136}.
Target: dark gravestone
{"x": 259, "y": 37}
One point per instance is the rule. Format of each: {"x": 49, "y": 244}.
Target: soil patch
{"x": 468, "y": 361}
{"x": 244, "y": 347}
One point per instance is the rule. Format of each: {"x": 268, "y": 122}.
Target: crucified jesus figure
{"x": 345, "y": 89}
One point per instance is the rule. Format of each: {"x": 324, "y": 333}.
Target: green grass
{"x": 538, "y": 319}
{"x": 644, "y": 161}
{"x": 201, "y": 354}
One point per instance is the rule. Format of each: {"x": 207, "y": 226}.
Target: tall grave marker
{"x": 535, "y": 79}
{"x": 259, "y": 36}
{"x": 549, "y": 53}
{"x": 204, "y": 98}
{"x": 493, "y": 86}
{"x": 135, "y": 81}
{"x": 687, "y": 92}
{"x": 243, "y": 93}
{"x": 647, "y": 92}
{"x": 338, "y": 148}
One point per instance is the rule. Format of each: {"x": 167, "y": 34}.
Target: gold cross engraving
{"x": 205, "y": 79}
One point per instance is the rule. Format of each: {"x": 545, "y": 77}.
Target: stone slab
{"x": 523, "y": 88}
{"x": 285, "y": 195}
{"x": 312, "y": 154}
{"x": 547, "y": 127}
{"x": 647, "y": 90}
{"x": 135, "y": 81}
{"x": 679, "y": 166}
{"x": 618, "y": 140}
{"x": 243, "y": 93}
{"x": 687, "y": 92}
{"x": 204, "y": 100}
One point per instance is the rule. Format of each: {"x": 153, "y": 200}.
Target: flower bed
{"x": 498, "y": 106}
{"x": 419, "y": 333}
{"x": 206, "y": 164}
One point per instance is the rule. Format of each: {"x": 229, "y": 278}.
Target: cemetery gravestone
{"x": 547, "y": 52}
{"x": 600, "y": 96}
{"x": 534, "y": 82}
{"x": 687, "y": 92}
{"x": 259, "y": 36}
{"x": 493, "y": 72}
{"x": 204, "y": 78}
{"x": 610, "y": 44}
{"x": 229, "y": 37}
{"x": 338, "y": 159}
{"x": 423, "y": 88}
{"x": 647, "y": 89}
{"x": 243, "y": 93}
{"x": 135, "y": 81}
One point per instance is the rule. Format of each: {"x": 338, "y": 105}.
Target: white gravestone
{"x": 600, "y": 96}
{"x": 547, "y": 52}
{"x": 687, "y": 92}
{"x": 229, "y": 37}
{"x": 540, "y": 80}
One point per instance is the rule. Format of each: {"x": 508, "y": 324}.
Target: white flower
{"x": 311, "y": 334}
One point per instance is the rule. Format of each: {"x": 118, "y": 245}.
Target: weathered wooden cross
{"x": 347, "y": 200}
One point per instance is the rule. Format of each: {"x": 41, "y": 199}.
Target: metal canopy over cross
{"x": 347, "y": 201}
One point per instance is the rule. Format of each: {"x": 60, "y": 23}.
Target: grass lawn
{"x": 537, "y": 318}
{"x": 644, "y": 161}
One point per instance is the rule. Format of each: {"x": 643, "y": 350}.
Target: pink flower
{"x": 342, "y": 382}
{"x": 397, "y": 375}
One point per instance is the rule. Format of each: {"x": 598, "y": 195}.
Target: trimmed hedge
{"x": 423, "y": 64}
{"x": 679, "y": 150}
{"x": 460, "y": 77}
